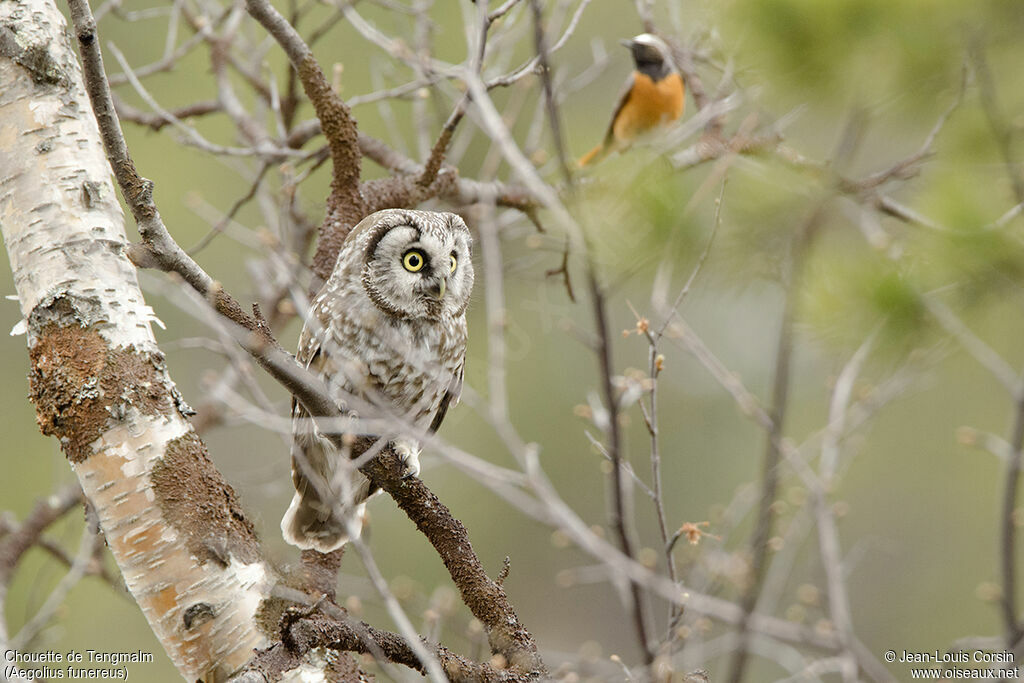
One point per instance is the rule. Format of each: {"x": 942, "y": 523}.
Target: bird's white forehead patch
{"x": 651, "y": 40}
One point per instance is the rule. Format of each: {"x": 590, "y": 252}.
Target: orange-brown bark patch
{"x": 164, "y": 601}
{"x": 80, "y": 386}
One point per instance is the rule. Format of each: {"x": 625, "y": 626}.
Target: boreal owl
{"x": 387, "y": 333}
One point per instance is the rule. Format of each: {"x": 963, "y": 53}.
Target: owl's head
{"x": 415, "y": 264}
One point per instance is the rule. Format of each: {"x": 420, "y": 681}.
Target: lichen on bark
{"x": 200, "y": 505}
{"x": 80, "y": 386}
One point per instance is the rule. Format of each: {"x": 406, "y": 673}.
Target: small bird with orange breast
{"x": 652, "y": 98}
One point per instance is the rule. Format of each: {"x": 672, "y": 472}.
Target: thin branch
{"x": 427, "y": 662}
{"x": 975, "y": 346}
{"x": 232, "y": 212}
{"x": 433, "y": 163}
{"x": 655, "y": 360}
{"x": 446, "y": 185}
{"x": 715, "y": 224}
{"x": 563, "y": 270}
{"x": 155, "y": 121}
{"x": 828, "y": 534}
{"x": 169, "y": 60}
{"x": 345, "y": 204}
{"x": 908, "y": 167}
{"x": 267, "y": 151}
{"x": 14, "y": 544}
{"x": 618, "y": 513}
{"x": 541, "y": 46}
{"x": 1002, "y": 132}
{"x": 759, "y": 546}
{"x": 88, "y": 545}
{"x": 1008, "y": 528}
{"x": 485, "y": 598}
{"x": 1003, "y": 135}
{"x": 531, "y": 66}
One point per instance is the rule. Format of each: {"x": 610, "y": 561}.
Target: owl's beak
{"x": 440, "y": 288}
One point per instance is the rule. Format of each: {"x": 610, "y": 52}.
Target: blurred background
{"x": 860, "y": 83}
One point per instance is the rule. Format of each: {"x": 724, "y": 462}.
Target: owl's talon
{"x": 409, "y": 454}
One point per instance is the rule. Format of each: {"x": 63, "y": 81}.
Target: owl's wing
{"x": 315, "y": 520}
{"x": 310, "y": 451}
{"x": 450, "y": 398}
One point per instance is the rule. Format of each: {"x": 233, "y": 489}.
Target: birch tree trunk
{"x": 187, "y": 553}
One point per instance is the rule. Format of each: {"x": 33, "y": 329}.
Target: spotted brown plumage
{"x": 387, "y": 332}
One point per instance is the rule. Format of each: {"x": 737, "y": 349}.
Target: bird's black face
{"x": 646, "y": 54}
{"x": 650, "y": 56}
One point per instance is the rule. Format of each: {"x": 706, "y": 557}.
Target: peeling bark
{"x": 176, "y": 529}
{"x": 187, "y": 553}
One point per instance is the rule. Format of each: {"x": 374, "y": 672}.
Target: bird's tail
{"x": 311, "y": 525}
{"x": 330, "y": 495}
{"x": 593, "y": 156}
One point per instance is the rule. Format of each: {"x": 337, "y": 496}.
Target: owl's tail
{"x": 311, "y": 525}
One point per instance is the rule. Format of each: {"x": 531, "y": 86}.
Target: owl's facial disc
{"x": 415, "y": 272}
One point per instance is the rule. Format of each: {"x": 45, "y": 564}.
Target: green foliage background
{"x": 920, "y": 529}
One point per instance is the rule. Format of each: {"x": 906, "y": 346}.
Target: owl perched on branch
{"x": 387, "y": 333}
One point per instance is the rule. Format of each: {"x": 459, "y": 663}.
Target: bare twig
{"x": 87, "y": 547}
{"x": 426, "y": 660}
{"x": 346, "y": 205}
{"x": 1003, "y": 135}
{"x": 655, "y": 361}
{"x": 15, "y": 542}
{"x": 155, "y": 121}
{"x": 485, "y": 598}
{"x": 618, "y": 513}
{"x": 1001, "y": 131}
{"x": 759, "y": 546}
{"x": 229, "y": 216}
{"x": 982, "y": 353}
{"x": 828, "y": 534}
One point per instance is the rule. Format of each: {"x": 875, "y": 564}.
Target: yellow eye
{"x": 413, "y": 260}
{"x": 455, "y": 264}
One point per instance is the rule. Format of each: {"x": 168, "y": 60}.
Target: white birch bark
{"x": 198, "y": 581}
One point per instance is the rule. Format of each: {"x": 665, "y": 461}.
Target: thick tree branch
{"x": 161, "y": 251}
{"x": 331, "y": 626}
{"x": 98, "y": 380}
{"x": 486, "y": 599}
{"x": 345, "y": 205}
